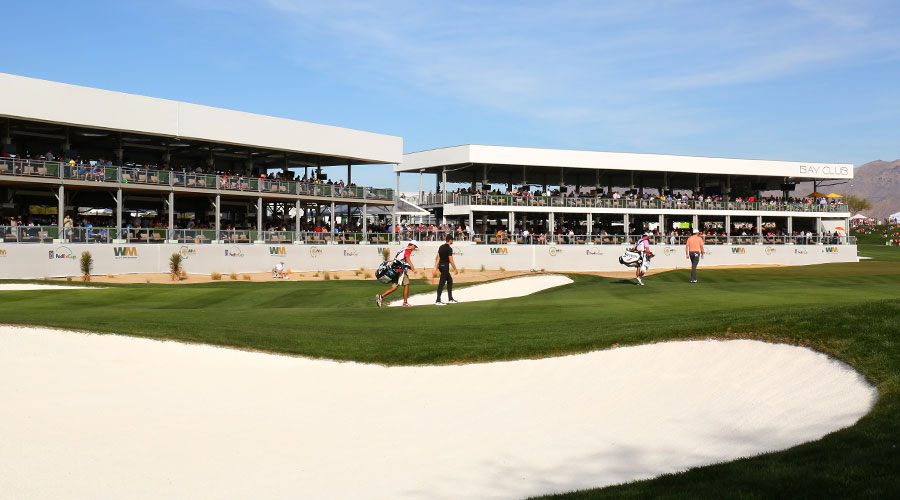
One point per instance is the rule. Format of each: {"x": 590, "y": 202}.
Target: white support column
{"x": 471, "y": 222}
{"x": 790, "y": 228}
{"x": 759, "y": 230}
{"x": 421, "y": 189}
{"x": 819, "y": 229}
{"x": 259, "y": 220}
{"x": 218, "y": 207}
{"x": 590, "y": 223}
{"x": 394, "y": 209}
{"x": 444, "y": 185}
{"x": 662, "y": 225}
{"x": 728, "y": 228}
{"x": 365, "y": 220}
{"x": 61, "y": 212}
{"x": 333, "y": 222}
{"x": 297, "y": 220}
{"x": 119, "y": 204}
{"x": 626, "y": 221}
{"x": 695, "y": 222}
{"x": 171, "y": 234}
{"x": 512, "y": 227}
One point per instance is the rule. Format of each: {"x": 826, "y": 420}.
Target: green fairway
{"x": 851, "y": 311}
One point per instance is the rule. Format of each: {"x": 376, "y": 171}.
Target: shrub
{"x": 462, "y": 271}
{"x": 175, "y": 266}
{"x": 110, "y": 275}
{"x": 316, "y": 275}
{"x": 87, "y": 265}
{"x": 386, "y": 254}
{"x": 326, "y": 275}
{"x": 216, "y": 276}
{"x": 69, "y": 278}
{"x": 367, "y": 275}
{"x": 482, "y": 268}
{"x": 337, "y": 276}
{"x": 247, "y": 277}
{"x": 502, "y": 270}
{"x": 233, "y": 275}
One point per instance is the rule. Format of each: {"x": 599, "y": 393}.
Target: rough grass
{"x": 850, "y": 311}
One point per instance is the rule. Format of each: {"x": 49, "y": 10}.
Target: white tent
{"x": 894, "y": 218}
{"x": 859, "y": 217}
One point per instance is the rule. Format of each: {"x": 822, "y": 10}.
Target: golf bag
{"x": 389, "y": 271}
{"x": 631, "y": 259}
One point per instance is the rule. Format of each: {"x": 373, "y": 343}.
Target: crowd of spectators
{"x": 89, "y": 169}
{"x": 683, "y": 197}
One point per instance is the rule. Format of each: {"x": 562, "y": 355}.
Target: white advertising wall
{"x": 25, "y": 261}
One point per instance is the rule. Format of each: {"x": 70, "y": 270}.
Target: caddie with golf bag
{"x": 395, "y": 271}
{"x": 638, "y": 257}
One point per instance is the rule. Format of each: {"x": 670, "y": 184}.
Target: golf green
{"x": 850, "y": 311}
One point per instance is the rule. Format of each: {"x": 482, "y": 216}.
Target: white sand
{"x": 110, "y": 417}
{"x": 28, "y": 286}
{"x": 503, "y": 289}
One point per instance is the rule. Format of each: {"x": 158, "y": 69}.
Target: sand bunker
{"x": 504, "y": 289}
{"x": 104, "y": 416}
{"x": 29, "y": 286}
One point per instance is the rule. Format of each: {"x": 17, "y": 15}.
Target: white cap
{"x": 413, "y": 243}
{"x": 695, "y": 231}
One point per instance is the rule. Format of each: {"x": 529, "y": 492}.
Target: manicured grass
{"x": 851, "y": 311}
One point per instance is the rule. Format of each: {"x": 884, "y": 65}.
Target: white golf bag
{"x": 631, "y": 258}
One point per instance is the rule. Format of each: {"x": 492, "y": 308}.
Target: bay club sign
{"x": 826, "y": 170}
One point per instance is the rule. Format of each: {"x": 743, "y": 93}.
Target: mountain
{"x": 878, "y": 181}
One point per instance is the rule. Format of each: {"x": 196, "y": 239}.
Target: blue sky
{"x": 776, "y": 79}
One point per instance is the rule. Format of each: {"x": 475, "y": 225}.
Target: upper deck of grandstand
{"x": 532, "y": 178}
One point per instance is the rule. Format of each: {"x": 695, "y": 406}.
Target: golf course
{"x": 850, "y": 312}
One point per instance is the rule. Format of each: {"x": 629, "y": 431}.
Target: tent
{"x": 815, "y": 194}
{"x": 894, "y": 218}
{"x": 859, "y": 217}
{"x": 833, "y": 195}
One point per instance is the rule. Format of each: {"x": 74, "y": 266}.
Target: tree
{"x": 856, "y": 204}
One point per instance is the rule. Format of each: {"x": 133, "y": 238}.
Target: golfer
{"x": 403, "y": 280}
{"x": 694, "y": 250}
{"x": 442, "y": 263}
{"x": 643, "y": 247}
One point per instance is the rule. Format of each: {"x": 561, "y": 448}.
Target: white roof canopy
{"x": 42, "y": 100}
{"x": 597, "y": 160}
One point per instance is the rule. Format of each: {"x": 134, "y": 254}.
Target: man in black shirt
{"x": 442, "y": 263}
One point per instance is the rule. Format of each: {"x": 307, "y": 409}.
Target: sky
{"x": 800, "y": 80}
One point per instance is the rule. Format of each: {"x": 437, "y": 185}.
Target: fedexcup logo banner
{"x": 668, "y": 251}
{"x": 351, "y": 253}
{"x": 593, "y": 251}
{"x": 64, "y": 253}
{"x": 234, "y": 252}
{"x": 187, "y": 252}
{"x": 314, "y": 252}
{"x": 770, "y": 250}
{"x": 277, "y": 251}
{"x": 125, "y": 252}
{"x": 554, "y": 251}
{"x": 800, "y": 251}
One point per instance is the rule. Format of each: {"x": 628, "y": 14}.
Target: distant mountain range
{"x": 877, "y": 181}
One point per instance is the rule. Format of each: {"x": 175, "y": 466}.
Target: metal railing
{"x": 550, "y": 202}
{"x": 47, "y": 234}
{"x": 221, "y": 182}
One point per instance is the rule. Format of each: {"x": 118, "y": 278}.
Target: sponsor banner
{"x": 40, "y": 259}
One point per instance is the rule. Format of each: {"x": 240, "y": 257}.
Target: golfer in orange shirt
{"x": 694, "y": 250}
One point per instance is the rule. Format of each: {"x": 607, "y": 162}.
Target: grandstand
{"x": 509, "y": 195}
{"x": 129, "y": 168}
